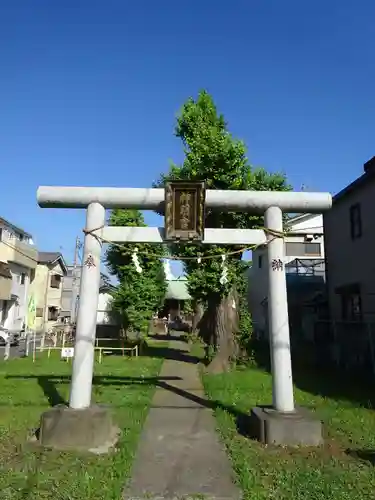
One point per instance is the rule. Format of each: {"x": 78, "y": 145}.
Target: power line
{"x": 19, "y": 251}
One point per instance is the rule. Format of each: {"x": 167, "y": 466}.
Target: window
{"x": 52, "y": 313}
{"x": 351, "y": 307}
{"x": 55, "y": 281}
{"x": 23, "y": 278}
{"x": 351, "y": 302}
{"x": 260, "y": 261}
{"x": 355, "y": 221}
{"x": 39, "y": 312}
{"x": 302, "y": 249}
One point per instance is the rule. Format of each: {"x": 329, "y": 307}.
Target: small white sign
{"x": 67, "y": 352}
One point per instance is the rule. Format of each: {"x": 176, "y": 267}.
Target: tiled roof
{"x": 48, "y": 257}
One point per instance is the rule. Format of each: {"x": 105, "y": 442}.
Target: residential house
{"x": 46, "y": 288}
{"x": 350, "y": 242}
{"x": 70, "y": 292}
{"x": 305, "y": 274}
{"x": 18, "y": 260}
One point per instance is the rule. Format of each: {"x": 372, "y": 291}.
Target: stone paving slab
{"x": 179, "y": 454}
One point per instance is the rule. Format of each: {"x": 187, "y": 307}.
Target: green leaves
{"x": 214, "y": 155}
{"x": 138, "y": 295}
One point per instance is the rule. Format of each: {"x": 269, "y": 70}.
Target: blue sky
{"x": 89, "y": 91}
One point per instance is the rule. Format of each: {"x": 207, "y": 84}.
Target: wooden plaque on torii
{"x": 184, "y": 210}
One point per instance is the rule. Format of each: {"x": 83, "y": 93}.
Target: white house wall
{"x": 17, "y": 309}
{"x": 309, "y": 224}
{"x": 104, "y": 306}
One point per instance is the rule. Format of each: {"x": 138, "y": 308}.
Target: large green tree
{"x": 212, "y": 154}
{"x": 138, "y": 295}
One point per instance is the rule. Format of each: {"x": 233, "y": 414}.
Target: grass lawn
{"x": 27, "y": 389}
{"x": 331, "y": 472}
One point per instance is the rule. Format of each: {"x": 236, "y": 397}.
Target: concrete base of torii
{"x": 297, "y": 428}
{"x": 91, "y": 429}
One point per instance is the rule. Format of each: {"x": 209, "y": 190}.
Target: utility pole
{"x": 74, "y": 282}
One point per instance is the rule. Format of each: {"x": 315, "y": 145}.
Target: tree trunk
{"x": 197, "y": 317}
{"x": 223, "y": 326}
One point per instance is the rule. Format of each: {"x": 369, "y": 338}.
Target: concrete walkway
{"x": 179, "y": 454}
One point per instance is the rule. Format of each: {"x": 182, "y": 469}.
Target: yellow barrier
{"x": 110, "y": 349}
{"x": 103, "y": 338}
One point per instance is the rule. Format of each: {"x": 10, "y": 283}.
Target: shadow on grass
{"x": 319, "y": 378}
{"x": 50, "y": 391}
{"x": 244, "y": 428}
{"x": 363, "y": 455}
{"x": 48, "y": 385}
{"x": 326, "y": 384}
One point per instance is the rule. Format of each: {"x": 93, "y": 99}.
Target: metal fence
{"x": 347, "y": 346}
{"x": 340, "y": 345}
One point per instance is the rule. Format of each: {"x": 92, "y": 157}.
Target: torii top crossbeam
{"x": 153, "y": 199}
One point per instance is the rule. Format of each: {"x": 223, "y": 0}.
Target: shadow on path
{"x": 167, "y": 337}
{"x": 170, "y": 353}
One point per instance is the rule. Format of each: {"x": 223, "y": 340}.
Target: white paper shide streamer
{"x": 224, "y": 271}
{"x": 135, "y": 260}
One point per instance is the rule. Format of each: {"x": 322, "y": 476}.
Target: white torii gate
{"x": 97, "y": 199}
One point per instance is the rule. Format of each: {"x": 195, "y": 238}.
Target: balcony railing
{"x": 21, "y": 253}
{"x": 305, "y": 268}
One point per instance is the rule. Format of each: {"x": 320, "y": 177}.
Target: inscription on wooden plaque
{"x": 184, "y": 210}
